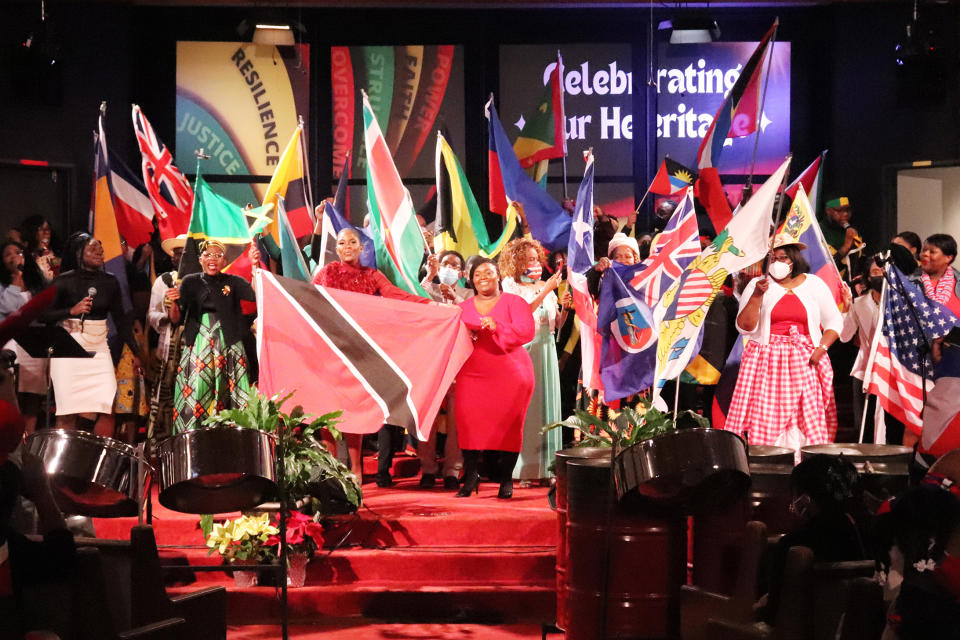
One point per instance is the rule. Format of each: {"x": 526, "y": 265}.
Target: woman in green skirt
{"x": 521, "y": 265}
{"x": 212, "y": 374}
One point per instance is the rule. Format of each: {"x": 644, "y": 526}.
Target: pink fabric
{"x": 778, "y": 390}
{"x": 788, "y": 312}
{"x": 495, "y": 384}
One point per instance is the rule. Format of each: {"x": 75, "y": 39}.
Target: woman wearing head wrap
{"x": 86, "y": 294}
{"x": 521, "y": 266}
{"x": 784, "y": 393}
{"x": 212, "y": 375}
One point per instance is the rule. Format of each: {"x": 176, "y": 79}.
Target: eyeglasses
{"x": 214, "y": 256}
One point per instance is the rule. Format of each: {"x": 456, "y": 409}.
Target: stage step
{"x": 413, "y": 566}
{"x": 489, "y": 604}
{"x": 371, "y": 630}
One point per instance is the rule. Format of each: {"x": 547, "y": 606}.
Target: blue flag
{"x": 629, "y": 356}
{"x": 547, "y": 220}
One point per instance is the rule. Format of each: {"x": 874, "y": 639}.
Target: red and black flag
{"x": 671, "y": 178}
{"x": 381, "y": 361}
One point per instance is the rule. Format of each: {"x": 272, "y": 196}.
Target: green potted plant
{"x": 628, "y": 428}
{"x": 304, "y": 537}
{"x": 305, "y": 459}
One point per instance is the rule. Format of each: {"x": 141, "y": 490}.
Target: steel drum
{"x": 884, "y": 468}
{"x": 765, "y": 454}
{"x": 217, "y": 470}
{"x": 686, "y": 469}
{"x": 91, "y": 475}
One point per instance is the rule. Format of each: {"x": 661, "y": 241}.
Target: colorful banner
{"x": 692, "y": 82}
{"x": 413, "y": 91}
{"x": 240, "y": 103}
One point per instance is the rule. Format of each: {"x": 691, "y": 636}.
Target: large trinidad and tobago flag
{"x": 379, "y": 360}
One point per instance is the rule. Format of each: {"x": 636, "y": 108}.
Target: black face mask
{"x": 876, "y": 282}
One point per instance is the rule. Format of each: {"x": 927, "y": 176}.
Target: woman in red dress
{"x": 349, "y": 275}
{"x": 496, "y": 383}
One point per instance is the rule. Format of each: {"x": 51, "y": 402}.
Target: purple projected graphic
{"x": 692, "y": 81}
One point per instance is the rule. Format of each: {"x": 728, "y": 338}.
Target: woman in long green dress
{"x": 212, "y": 374}
{"x": 521, "y": 265}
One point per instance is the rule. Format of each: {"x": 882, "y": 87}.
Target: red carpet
{"x": 409, "y": 555}
{"x": 391, "y": 632}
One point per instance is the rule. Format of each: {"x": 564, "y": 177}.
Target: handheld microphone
{"x": 92, "y": 291}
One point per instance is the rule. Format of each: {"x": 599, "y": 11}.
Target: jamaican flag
{"x": 460, "y": 224}
{"x": 216, "y": 218}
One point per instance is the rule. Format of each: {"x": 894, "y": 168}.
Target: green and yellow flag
{"x": 542, "y": 136}
{"x": 460, "y": 225}
{"x": 216, "y": 218}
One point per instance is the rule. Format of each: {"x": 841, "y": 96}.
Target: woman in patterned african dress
{"x": 212, "y": 375}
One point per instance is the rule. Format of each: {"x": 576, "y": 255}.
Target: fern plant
{"x": 628, "y": 428}
{"x": 303, "y": 454}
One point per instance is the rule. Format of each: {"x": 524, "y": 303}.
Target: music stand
{"x": 50, "y": 341}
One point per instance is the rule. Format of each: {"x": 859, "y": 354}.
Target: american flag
{"x": 901, "y": 364}
{"x": 673, "y": 250}
{"x": 169, "y": 190}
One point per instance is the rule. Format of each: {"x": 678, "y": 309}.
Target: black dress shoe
{"x": 384, "y": 480}
{"x": 470, "y": 485}
{"x": 506, "y": 491}
{"x": 427, "y": 481}
{"x": 451, "y": 482}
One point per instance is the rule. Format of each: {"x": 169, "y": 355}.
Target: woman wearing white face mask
{"x": 447, "y": 268}
{"x": 784, "y": 393}
{"x": 521, "y": 266}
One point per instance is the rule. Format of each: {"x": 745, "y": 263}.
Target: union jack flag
{"x": 673, "y": 250}
{"x": 169, "y": 190}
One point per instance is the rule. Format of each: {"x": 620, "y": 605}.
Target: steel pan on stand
{"x": 217, "y": 470}
{"x": 686, "y": 469}
{"x": 884, "y": 469}
{"x": 91, "y": 475}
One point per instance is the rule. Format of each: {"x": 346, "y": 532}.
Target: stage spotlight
{"x": 280, "y": 35}
{"x": 691, "y": 30}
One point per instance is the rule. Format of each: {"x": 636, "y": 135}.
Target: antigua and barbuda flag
{"x": 367, "y": 353}
{"x": 680, "y": 314}
{"x": 672, "y": 177}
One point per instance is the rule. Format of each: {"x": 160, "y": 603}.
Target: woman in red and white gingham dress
{"x": 784, "y": 392}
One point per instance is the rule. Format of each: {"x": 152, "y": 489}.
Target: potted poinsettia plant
{"x": 304, "y": 537}
{"x": 243, "y": 540}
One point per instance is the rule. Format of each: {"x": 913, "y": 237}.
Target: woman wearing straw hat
{"x": 212, "y": 375}
{"x": 784, "y": 393}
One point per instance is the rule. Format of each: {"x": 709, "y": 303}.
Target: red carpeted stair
{"x": 410, "y": 555}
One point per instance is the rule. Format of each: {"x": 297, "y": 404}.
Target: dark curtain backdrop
{"x": 848, "y": 94}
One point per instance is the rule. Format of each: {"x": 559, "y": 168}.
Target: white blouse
{"x": 546, "y": 313}
{"x": 815, "y": 295}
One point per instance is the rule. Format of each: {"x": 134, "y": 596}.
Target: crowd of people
{"x": 168, "y": 354}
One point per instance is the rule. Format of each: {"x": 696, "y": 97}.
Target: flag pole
{"x": 642, "y": 200}
{"x": 763, "y": 99}
{"x": 676, "y": 398}
{"x": 305, "y": 166}
{"x": 563, "y": 122}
